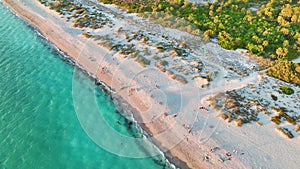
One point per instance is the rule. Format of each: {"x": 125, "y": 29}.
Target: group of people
{"x": 203, "y": 108}
{"x": 130, "y": 90}
{"x": 228, "y": 155}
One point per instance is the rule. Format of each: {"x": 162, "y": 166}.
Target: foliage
{"x": 239, "y": 122}
{"x": 283, "y": 115}
{"x": 236, "y": 107}
{"x": 287, "y": 90}
{"x": 274, "y": 97}
{"x": 170, "y": 21}
{"x": 297, "y": 128}
{"x": 235, "y": 25}
{"x": 181, "y": 79}
{"x": 259, "y": 123}
{"x": 164, "y": 63}
{"x": 286, "y": 71}
{"x": 286, "y": 132}
{"x": 80, "y": 16}
{"x": 276, "y": 119}
{"x": 143, "y": 61}
{"x": 271, "y": 30}
{"x": 86, "y": 35}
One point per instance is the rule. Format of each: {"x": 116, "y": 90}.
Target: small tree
{"x": 183, "y": 44}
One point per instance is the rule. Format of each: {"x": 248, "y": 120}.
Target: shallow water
{"x": 39, "y": 127}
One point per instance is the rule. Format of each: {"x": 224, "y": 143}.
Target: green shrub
{"x": 183, "y": 44}
{"x": 287, "y": 90}
{"x": 229, "y": 118}
{"x": 143, "y": 61}
{"x": 86, "y": 35}
{"x": 285, "y": 70}
{"x": 286, "y": 132}
{"x": 274, "y": 97}
{"x": 297, "y": 128}
{"x": 239, "y": 122}
{"x": 164, "y": 63}
{"x": 223, "y": 116}
{"x": 289, "y": 119}
{"x": 276, "y": 119}
{"x": 181, "y": 79}
{"x": 259, "y": 123}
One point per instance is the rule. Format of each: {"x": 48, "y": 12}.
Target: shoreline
{"x": 185, "y": 134}
{"x": 173, "y": 161}
{"x": 104, "y": 87}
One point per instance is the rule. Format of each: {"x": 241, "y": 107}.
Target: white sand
{"x": 251, "y": 146}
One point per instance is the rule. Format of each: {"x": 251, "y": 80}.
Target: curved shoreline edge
{"x": 119, "y": 102}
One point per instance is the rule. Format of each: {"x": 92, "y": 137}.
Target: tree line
{"x": 269, "y": 29}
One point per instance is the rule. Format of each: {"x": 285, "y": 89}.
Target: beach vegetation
{"x": 134, "y": 54}
{"x": 297, "y": 128}
{"x": 82, "y": 17}
{"x": 155, "y": 57}
{"x": 86, "y": 35}
{"x": 229, "y": 118}
{"x": 259, "y": 123}
{"x": 267, "y": 112}
{"x": 278, "y": 110}
{"x": 164, "y": 63}
{"x": 142, "y": 61}
{"x": 276, "y": 119}
{"x": 223, "y": 116}
{"x": 181, "y": 79}
{"x": 268, "y": 32}
{"x": 236, "y": 25}
{"x": 183, "y": 44}
{"x": 286, "y": 132}
{"x": 237, "y": 108}
{"x": 239, "y": 122}
{"x": 285, "y": 70}
{"x": 274, "y": 97}
{"x": 169, "y": 72}
{"x": 185, "y": 72}
{"x": 290, "y": 119}
{"x": 162, "y": 69}
{"x": 283, "y": 115}
{"x": 286, "y": 90}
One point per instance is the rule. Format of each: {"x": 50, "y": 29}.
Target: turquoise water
{"x": 38, "y": 124}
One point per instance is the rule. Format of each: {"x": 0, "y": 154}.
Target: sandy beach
{"x": 72, "y": 45}
{"x": 167, "y": 110}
